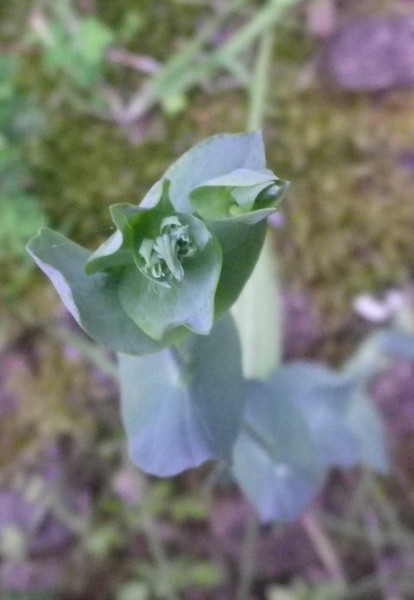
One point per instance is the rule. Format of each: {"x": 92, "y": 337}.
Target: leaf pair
{"x": 179, "y": 260}
{"x": 279, "y": 438}
{"x": 193, "y": 412}
{"x": 305, "y": 419}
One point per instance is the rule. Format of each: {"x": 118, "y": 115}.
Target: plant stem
{"x": 159, "y": 555}
{"x": 247, "y": 302}
{"x": 248, "y": 561}
{"x": 180, "y": 72}
{"x": 260, "y": 304}
{"x": 186, "y": 69}
{"x": 324, "y": 548}
{"x": 258, "y": 313}
{"x": 259, "y": 85}
{"x": 262, "y": 22}
{"x": 88, "y": 349}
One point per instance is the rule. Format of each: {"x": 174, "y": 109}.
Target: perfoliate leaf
{"x": 216, "y": 156}
{"x": 183, "y": 407}
{"x": 323, "y": 397}
{"x": 274, "y": 459}
{"x": 364, "y": 421}
{"x": 118, "y": 249}
{"x": 111, "y": 254}
{"x": 91, "y": 299}
{"x": 170, "y": 270}
{"x": 241, "y": 246}
{"x": 302, "y": 421}
{"x": 171, "y": 267}
{"x": 158, "y": 309}
{"x": 244, "y": 195}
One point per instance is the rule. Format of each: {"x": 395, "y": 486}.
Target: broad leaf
{"x": 91, "y": 299}
{"x": 216, "y": 156}
{"x": 158, "y": 309}
{"x": 305, "y": 419}
{"x": 323, "y": 397}
{"x": 364, "y": 421}
{"x": 398, "y": 343}
{"x": 241, "y": 246}
{"x": 274, "y": 459}
{"x": 117, "y": 250}
{"x": 243, "y": 195}
{"x": 181, "y": 408}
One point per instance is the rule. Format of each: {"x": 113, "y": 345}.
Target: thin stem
{"x": 324, "y": 548}
{"x": 89, "y": 351}
{"x": 262, "y": 22}
{"x": 165, "y": 580}
{"x": 185, "y": 69}
{"x": 179, "y": 72}
{"x": 258, "y": 93}
{"x": 258, "y": 313}
{"x": 248, "y": 558}
{"x": 259, "y": 85}
{"x": 159, "y": 555}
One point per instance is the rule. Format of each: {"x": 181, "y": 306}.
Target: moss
{"x": 47, "y": 405}
{"x": 349, "y": 217}
{"x": 81, "y": 167}
{"x": 160, "y": 24}
{"x": 13, "y": 19}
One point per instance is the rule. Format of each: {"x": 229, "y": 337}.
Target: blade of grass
{"x": 179, "y": 73}
{"x": 187, "y": 69}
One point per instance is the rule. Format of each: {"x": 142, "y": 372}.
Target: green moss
{"x": 159, "y": 25}
{"x": 48, "y": 406}
{"x": 83, "y": 166}
{"x": 13, "y": 19}
{"x": 349, "y": 216}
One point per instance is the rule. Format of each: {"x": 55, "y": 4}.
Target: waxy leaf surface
{"x": 243, "y": 195}
{"x": 216, "y": 156}
{"x": 181, "y": 408}
{"x": 91, "y": 299}
{"x": 305, "y": 419}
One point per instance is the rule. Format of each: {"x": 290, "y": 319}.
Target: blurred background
{"x": 97, "y": 98}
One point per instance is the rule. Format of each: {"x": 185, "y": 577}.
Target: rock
{"x": 372, "y": 53}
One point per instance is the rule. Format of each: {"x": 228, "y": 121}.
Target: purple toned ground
{"x": 47, "y": 502}
{"x": 54, "y": 492}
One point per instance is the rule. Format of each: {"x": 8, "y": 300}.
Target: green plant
{"x": 158, "y": 292}
{"x": 277, "y": 428}
{"x": 72, "y": 46}
{"x": 20, "y": 213}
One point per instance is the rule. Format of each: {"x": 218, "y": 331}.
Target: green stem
{"x": 258, "y": 309}
{"x": 186, "y": 69}
{"x": 258, "y": 316}
{"x": 181, "y": 71}
{"x": 262, "y": 22}
{"x": 248, "y": 557}
{"x": 88, "y": 349}
{"x": 259, "y": 85}
{"x": 159, "y": 555}
{"x": 261, "y": 346}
